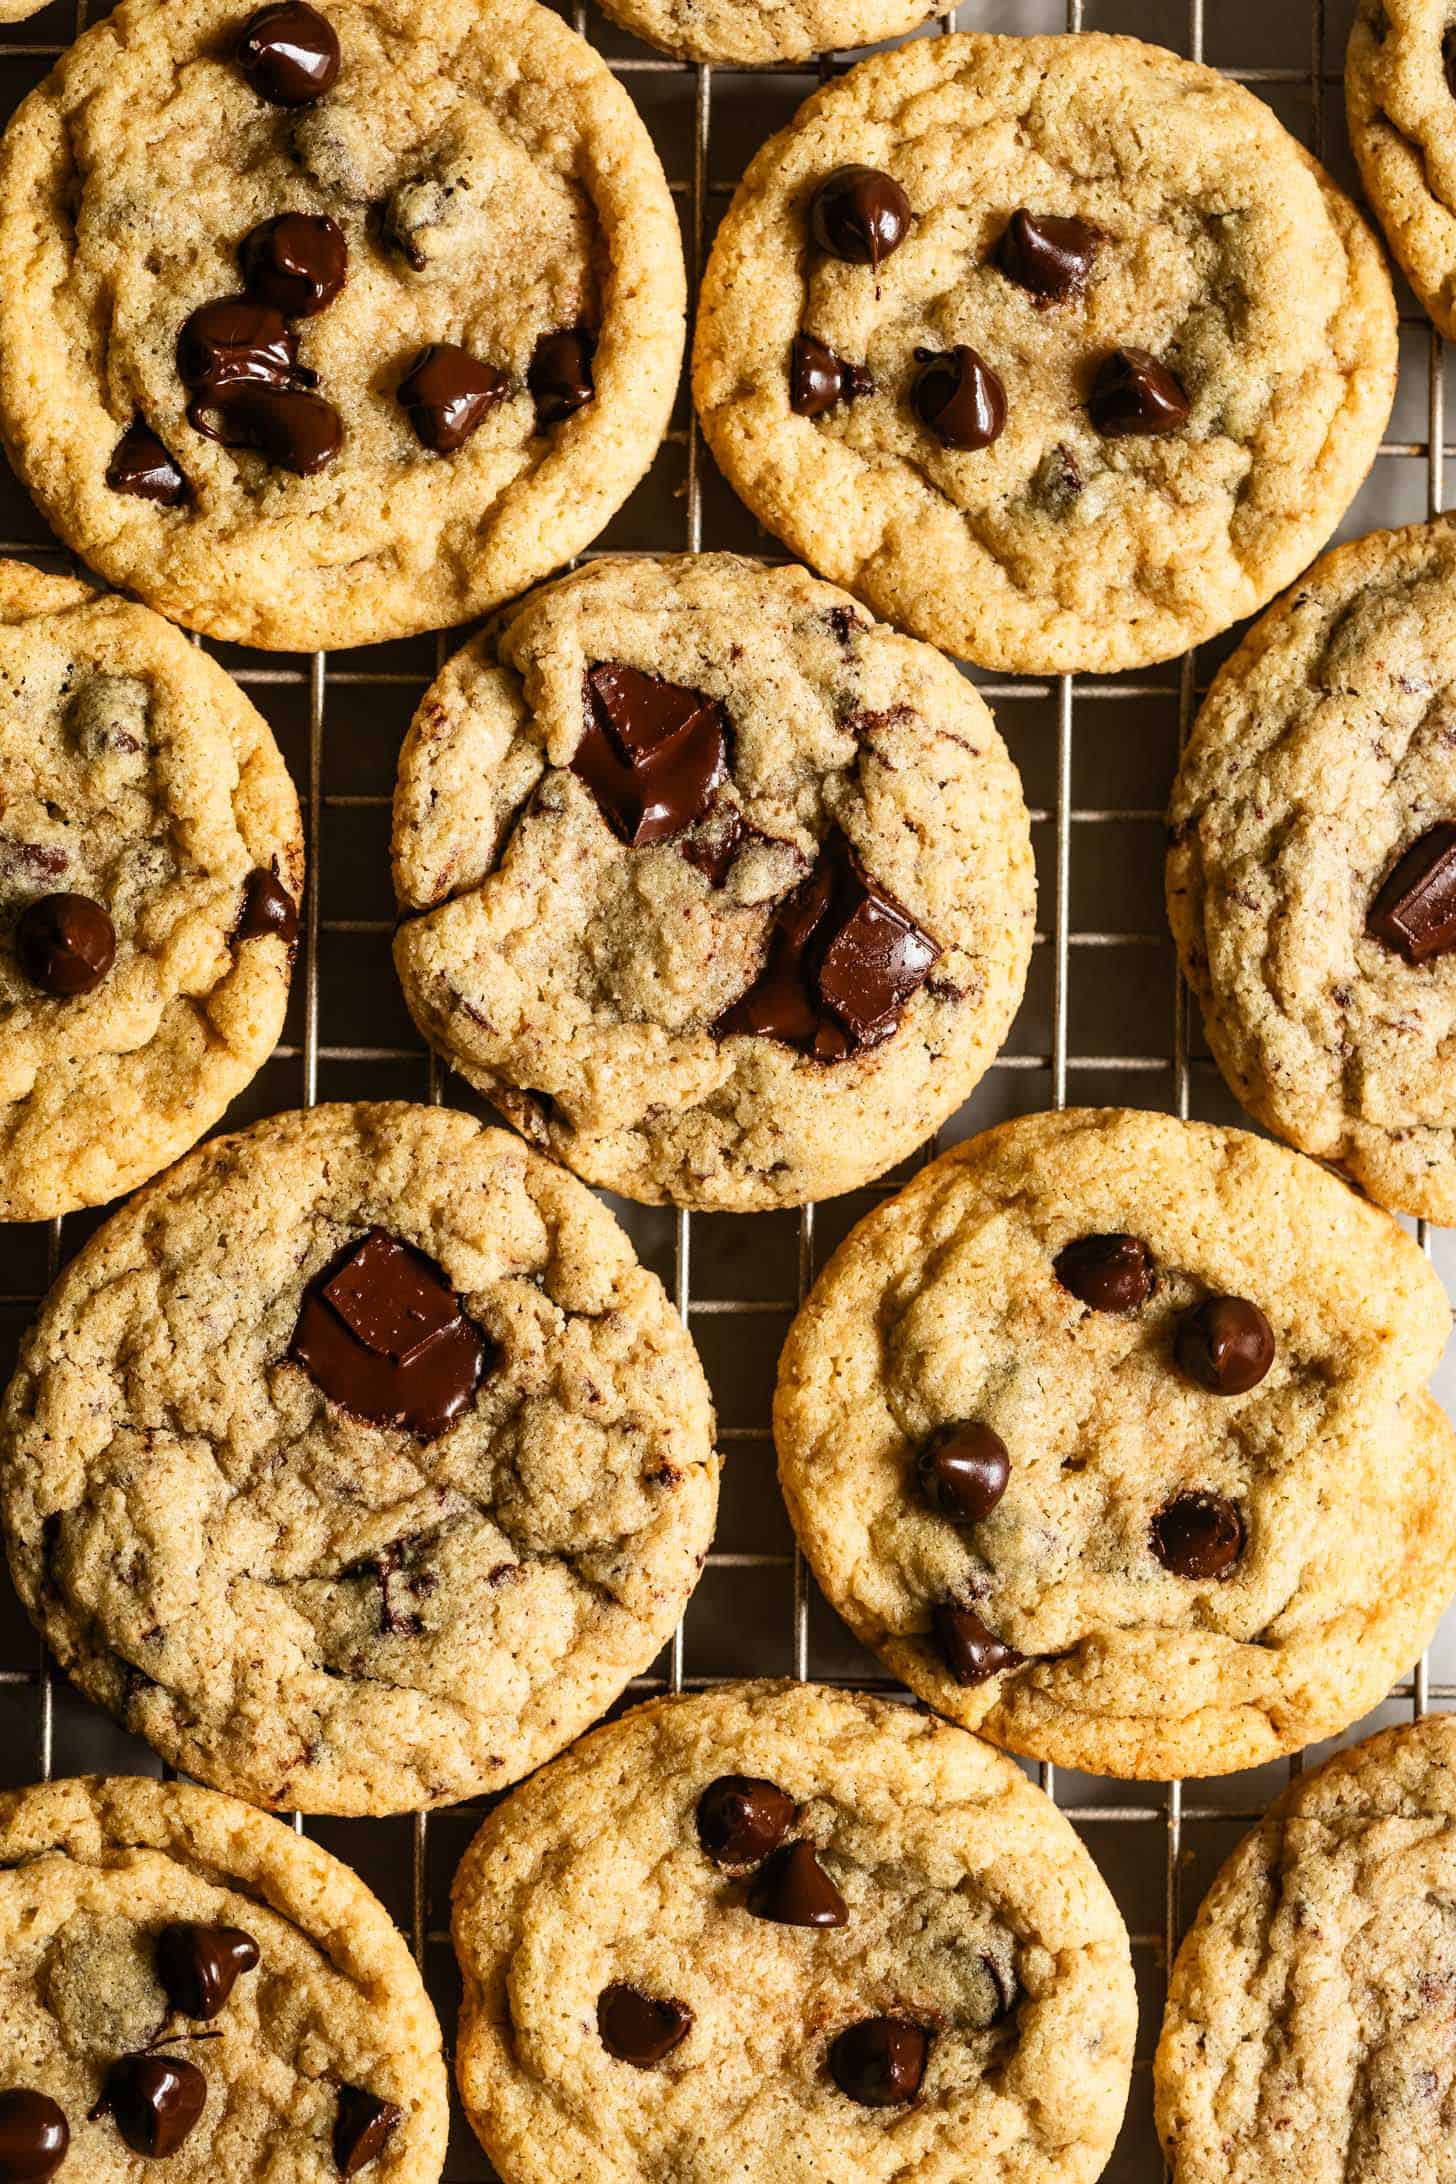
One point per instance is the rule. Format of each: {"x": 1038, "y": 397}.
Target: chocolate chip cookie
{"x": 720, "y": 890}
{"x": 151, "y": 863}
{"x": 1400, "y": 99}
{"x": 757, "y": 32}
{"x": 1308, "y": 2031}
{"x": 357, "y": 1464}
{"x": 1109, "y": 1436}
{"x": 186, "y": 1981}
{"x": 774, "y": 1934}
{"x": 1312, "y": 873}
{"x": 326, "y": 324}
{"x": 1057, "y": 351}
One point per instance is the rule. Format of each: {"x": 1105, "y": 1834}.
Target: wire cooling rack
{"x": 1106, "y": 1018}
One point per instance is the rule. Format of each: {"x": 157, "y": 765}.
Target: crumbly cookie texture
{"x": 1151, "y": 1578}
{"x": 135, "y": 773}
{"x": 91, "y": 1873}
{"x": 1307, "y": 2036}
{"x": 493, "y": 186}
{"x": 1399, "y": 68}
{"x": 1215, "y": 246}
{"x": 1323, "y": 753}
{"x": 757, "y": 31}
{"x": 584, "y": 983}
{"x": 972, "y": 1916}
{"x": 320, "y": 1611}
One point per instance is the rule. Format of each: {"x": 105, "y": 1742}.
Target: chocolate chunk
{"x": 1198, "y": 1535}
{"x": 560, "y": 374}
{"x": 268, "y": 908}
{"x": 1134, "y": 393}
{"x": 239, "y": 358}
{"x": 818, "y": 378}
{"x": 1225, "y": 1344}
{"x": 741, "y": 1818}
{"x": 297, "y": 262}
{"x": 199, "y": 1965}
{"x": 141, "y": 466}
{"x": 66, "y": 944}
{"x": 880, "y": 2061}
{"x": 235, "y": 340}
{"x": 362, "y": 2123}
{"x": 1415, "y": 909}
{"x": 958, "y": 396}
{"x": 1048, "y": 255}
{"x": 793, "y": 1889}
{"x": 1109, "y": 1273}
{"x": 652, "y": 752}
{"x": 156, "y": 2100}
{"x": 34, "y": 2135}
{"x": 963, "y": 1470}
{"x": 972, "y": 1653}
{"x": 289, "y": 53}
{"x": 290, "y": 427}
{"x": 382, "y": 1334}
{"x": 637, "y": 2028}
{"x": 446, "y": 392}
{"x": 714, "y": 849}
{"x": 859, "y": 214}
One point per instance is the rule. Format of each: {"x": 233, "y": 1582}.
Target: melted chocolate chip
{"x": 859, "y": 214}
{"x": 1109, "y": 1273}
{"x": 382, "y": 1334}
{"x": 34, "y": 2135}
{"x": 880, "y": 2061}
{"x": 637, "y": 2028}
{"x": 268, "y": 909}
{"x": 156, "y": 2101}
{"x": 297, "y": 262}
{"x": 289, "y": 53}
{"x": 972, "y": 1653}
{"x": 1225, "y": 1344}
{"x": 741, "y": 1818}
{"x": 793, "y": 1889}
{"x": 958, "y": 396}
{"x": 1414, "y": 911}
{"x": 290, "y": 427}
{"x": 233, "y": 341}
{"x": 964, "y": 1469}
{"x": 362, "y": 2123}
{"x": 560, "y": 374}
{"x": 818, "y": 378}
{"x": 446, "y": 392}
{"x": 1134, "y": 393}
{"x": 199, "y": 1965}
{"x": 1048, "y": 255}
{"x": 66, "y": 944}
{"x": 652, "y": 752}
{"x": 1198, "y": 1535}
{"x": 141, "y": 466}
{"x": 239, "y": 358}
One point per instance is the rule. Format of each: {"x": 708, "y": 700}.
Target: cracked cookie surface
{"x": 971, "y": 1915}
{"x": 135, "y": 776}
{"x": 1220, "y": 1521}
{"x": 1055, "y": 536}
{"x": 323, "y": 1612}
{"x": 759, "y": 31}
{"x": 1399, "y": 69}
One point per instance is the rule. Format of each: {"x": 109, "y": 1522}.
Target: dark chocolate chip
{"x": 268, "y": 909}
{"x": 1134, "y": 393}
{"x": 362, "y": 2123}
{"x": 652, "y": 753}
{"x": 34, "y": 2135}
{"x": 290, "y": 427}
{"x": 972, "y": 1653}
{"x": 1198, "y": 1535}
{"x": 446, "y": 392}
{"x": 155, "y": 2099}
{"x": 289, "y": 53}
{"x": 66, "y": 944}
{"x": 793, "y": 1889}
{"x": 560, "y": 374}
{"x": 1049, "y": 255}
{"x": 239, "y": 358}
{"x": 1109, "y": 1273}
{"x": 713, "y": 849}
{"x": 199, "y": 1965}
{"x": 1225, "y": 1344}
{"x": 297, "y": 262}
{"x": 741, "y": 1818}
{"x": 880, "y": 2061}
{"x": 963, "y": 1470}
{"x": 1415, "y": 908}
{"x": 235, "y": 340}
{"x": 638, "y": 2028}
{"x": 818, "y": 378}
{"x": 141, "y": 466}
{"x": 958, "y": 397}
{"x": 382, "y": 1334}
{"x": 859, "y": 214}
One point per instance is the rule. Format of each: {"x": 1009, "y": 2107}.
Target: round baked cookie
{"x": 1400, "y": 98}
{"x": 1312, "y": 872}
{"x": 1307, "y": 2035}
{"x": 433, "y": 382}
{"x": 1109, "y": 1436}
{"x": 775, "y": 1934}
{"x": 151, "y": 863}
{"x": 357, "y": 1464}
{"x": 721, "y": 891}
{"x": 1057, "y": 351}
{"x": 757, "y": 32}
{"x": 186, "y": 1980}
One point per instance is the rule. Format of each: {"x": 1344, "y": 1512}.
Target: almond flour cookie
{"x": 1312, "y": 876}
{"x": 186, "y": 1981}
{"x": 1109, "y": 1435}
{"x": 151, "y": 864}
{"x": 357, "y": 1464}
{"x": 721, "y": 891}
{"x": 757, "y": 32}
{"x": 1057, "y": 351}
{"x": 776, "y": 1934}
{"x": 1400, "y": 69}
{"x": 1308, "y": 2032}
{"x": 323, "y": 325}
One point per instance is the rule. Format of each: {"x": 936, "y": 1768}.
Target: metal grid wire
{"x": 1115, "y": 1029}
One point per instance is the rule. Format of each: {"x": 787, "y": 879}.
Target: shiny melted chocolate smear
{"x": 382, "y": 1334}
{"x": 652, "y": 753}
